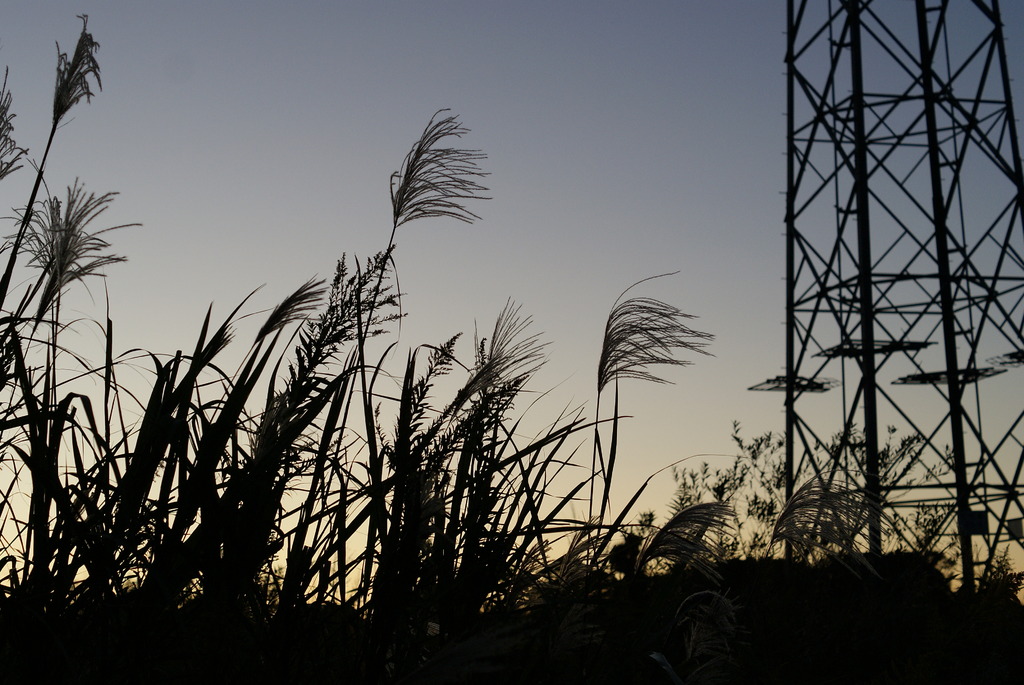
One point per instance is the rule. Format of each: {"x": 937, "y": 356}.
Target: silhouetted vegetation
{"x": 318, "y": 515}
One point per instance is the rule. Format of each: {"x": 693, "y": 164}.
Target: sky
{"x": 623, "y": 140}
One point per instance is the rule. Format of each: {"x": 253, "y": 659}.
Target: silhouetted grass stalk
{"x": 640, "y": 333}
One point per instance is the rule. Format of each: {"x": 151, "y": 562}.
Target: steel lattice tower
{"x": 905, "y": 259}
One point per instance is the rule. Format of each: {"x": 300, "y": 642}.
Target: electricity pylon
{"x": 905, "y": 260}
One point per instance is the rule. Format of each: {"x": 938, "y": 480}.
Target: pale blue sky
{"x": 254, "y": 142}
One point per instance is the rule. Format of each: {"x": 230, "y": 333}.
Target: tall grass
{"x": 333, "y": 486}
{"x": 319, "y": 489}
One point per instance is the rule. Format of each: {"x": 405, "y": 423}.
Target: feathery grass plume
{"x": 684, "y": 540}
{"x": 73, "y": 74}
{"x": 435, "y": 181}
{"x": 829, "y": 516}
{"x": 509, "y": 357}
{"x": 295, "y": 307}
{"x": 72, "y": 85}
{"x": 365, "y": 298}
{"x": 10, "y": 153}
{"x": 642, "y": 332}
{"x": 569, "y": 571}
{"x": 60, "y": 244}
{"x": 708, "y": 619}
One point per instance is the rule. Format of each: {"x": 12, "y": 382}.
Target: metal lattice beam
{"x": 905, "y": 257}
